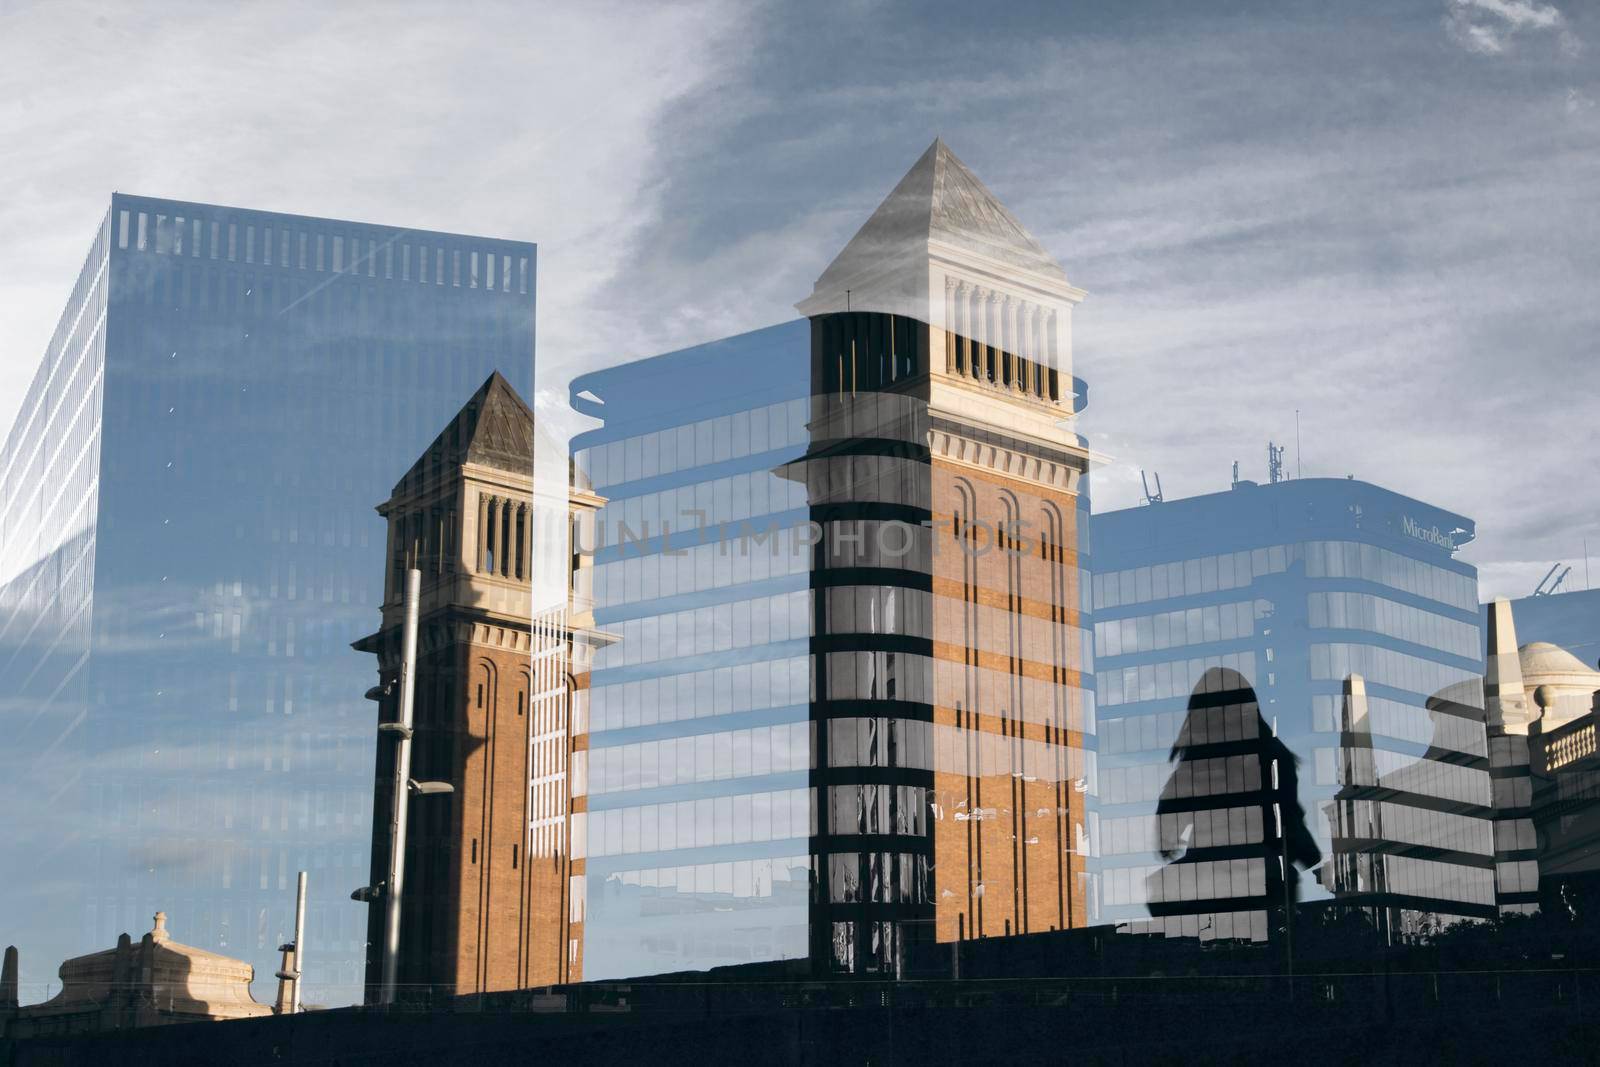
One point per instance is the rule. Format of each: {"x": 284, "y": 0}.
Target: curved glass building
{"x": 1318, "y": 632}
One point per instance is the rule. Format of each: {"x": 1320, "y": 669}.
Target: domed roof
{"x": 1542, "y": 661}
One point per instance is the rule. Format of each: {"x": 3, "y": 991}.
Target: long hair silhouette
{"x": 1225, "y": 759}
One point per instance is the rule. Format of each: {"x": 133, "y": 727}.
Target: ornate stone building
{"x": 488, "y": 867}
{"x": 150, "y": 982}
{"x": 1543, "y": 707}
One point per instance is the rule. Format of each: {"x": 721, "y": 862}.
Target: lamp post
{"x": 398, "y": 806}
{"x": 403, "y": 787}
{"x": 299, "y": 940}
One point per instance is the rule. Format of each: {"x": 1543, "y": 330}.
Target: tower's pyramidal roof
{"x": 939, "y": 200}
{"x": 493, "y": 429}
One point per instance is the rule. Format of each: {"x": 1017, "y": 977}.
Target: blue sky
{"x": 1382, "y": 215}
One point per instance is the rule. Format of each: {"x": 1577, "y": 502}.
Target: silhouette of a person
{"x": 1226, "y": 759}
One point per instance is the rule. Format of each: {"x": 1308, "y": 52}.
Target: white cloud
{"x": 532, "y": 122}
{"x": 1488, "y": 26}
{"x": 1484, "y": 40}
{"x": 537, "y": 122}
{"x": 1519, "y": 14}
{"x": 1401, "y": 259}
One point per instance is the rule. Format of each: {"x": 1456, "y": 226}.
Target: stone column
{"x": 1049, "y": 350}
{"x": 455, "y": 531}
{"x": 523, "y": 524}
{"x": 991, "y": 337}
{"x": 494, "y": 535}
{"x": 974, "y": 333}
{"x": 1013, "y": 365}
{"x": 508, "y": 537}
{"x": 949, "y": 325}
{"x": 481, "y": 534}
{"x": 980, "y": 333}
{"x": 1025, "y": 347}
{"x": 963, "y": 304}
{"x": 440, "y": 518}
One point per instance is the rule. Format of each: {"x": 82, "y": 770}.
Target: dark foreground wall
{"x": 1540, "y": 1016}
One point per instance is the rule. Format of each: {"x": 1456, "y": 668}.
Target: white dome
{"x": 1543, "y": 662}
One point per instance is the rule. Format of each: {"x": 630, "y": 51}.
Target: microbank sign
{"x": 1430, "y": 534}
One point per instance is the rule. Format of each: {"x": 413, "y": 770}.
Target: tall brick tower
{"x": 953, "y": 695}
{"x": 487, "y": 868}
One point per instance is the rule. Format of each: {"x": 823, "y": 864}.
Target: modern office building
{"x": 1347, "y": 631}
{"x": 693, "y": 808}
{"x": 850, "y": 704}
{"x": 186, "y": 548}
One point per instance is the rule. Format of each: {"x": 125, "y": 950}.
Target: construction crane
{"x": 1545, "y": 589}
{"x": 1149, "y": 497}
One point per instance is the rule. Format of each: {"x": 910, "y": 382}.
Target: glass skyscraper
{"x": 1289, "y": 679}
{"x": 186, "y": 549}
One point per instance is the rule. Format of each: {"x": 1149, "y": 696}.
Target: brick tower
{"x": 487, "y": 868}
{"x": 953, "y": 695}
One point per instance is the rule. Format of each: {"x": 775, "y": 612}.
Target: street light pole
{"x": 400, "y": 796}
{"x": 299, "y": 942}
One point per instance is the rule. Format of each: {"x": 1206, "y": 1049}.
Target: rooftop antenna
{"x": 1274, "y": 463}
{"x": 1544, "y": 589}
{"x": 1235, "y": 472}
{"x": 1149, "y": 497}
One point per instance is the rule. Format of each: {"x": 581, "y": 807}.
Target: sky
{"x": 1378, "y": 215}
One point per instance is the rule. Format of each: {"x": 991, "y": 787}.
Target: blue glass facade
{"x": 189, "y": 546}
{"x": 696, "y": 818}
{"x": 834, "y": 721}
{"x": 1317, "y": 632}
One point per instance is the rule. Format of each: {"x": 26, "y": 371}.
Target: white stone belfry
{"x": 943, "y": 250}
